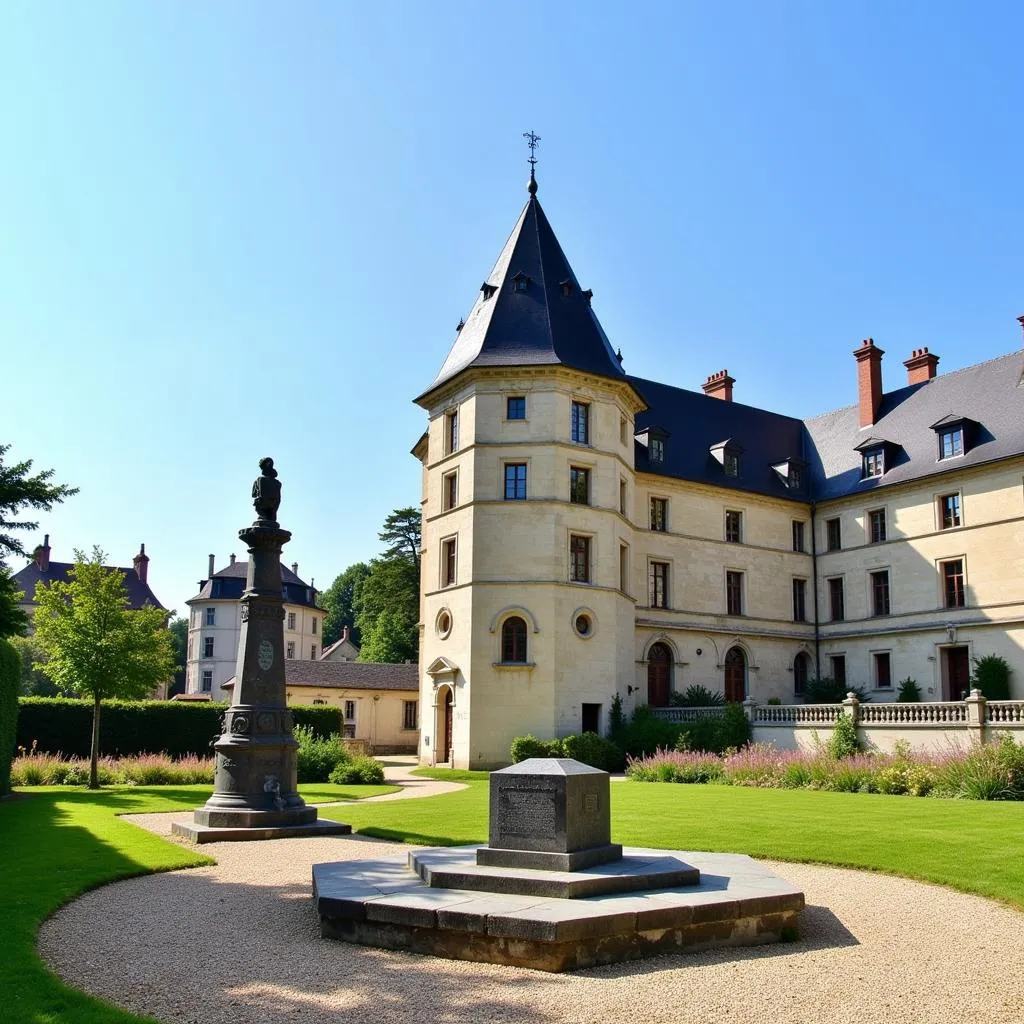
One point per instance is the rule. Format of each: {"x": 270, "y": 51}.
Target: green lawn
{"x": 56, "y": 843}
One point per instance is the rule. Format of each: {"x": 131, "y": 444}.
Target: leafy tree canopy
{"x": 13, "y": 621}
{"x": 178, "y": 628}
{"x": 95, "y": 645}
{"x": 18, "y": 490}
{"x": 401, "y": 533}
{"x": 342, "y": 599}
{"x": 34, "y": 681}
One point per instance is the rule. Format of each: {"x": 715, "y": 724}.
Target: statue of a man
{"x": 266, "y": 492}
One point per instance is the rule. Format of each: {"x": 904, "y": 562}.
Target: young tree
{"x": 392, "y": 637}
{"x": 390, "y": 601}
{"x": 18, "y": 489}
{"x": 96, "y": 645}
{"x": 402, "y": 533}
{"x": 342, "y": 601}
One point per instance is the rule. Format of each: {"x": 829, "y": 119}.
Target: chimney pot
{"x": 141, "y": 563}
{"x": 719, "y": 385}
{"x": 232, "y": 558}
{"x": 210, "y": 569}
{"x": 295, "y": 568}
{"x": 1020, "y": 320}
{"x": 921, "y": 366}
{"x": 42, "y": 554}
{"x": 869, "y": 380}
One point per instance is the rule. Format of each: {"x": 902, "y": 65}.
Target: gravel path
{"x": 239, "y": 943}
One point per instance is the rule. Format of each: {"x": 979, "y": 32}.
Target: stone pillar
{"x": 851, "y": 707}
{"x": 749, "y": 705}
{"x": 975, "y": 702}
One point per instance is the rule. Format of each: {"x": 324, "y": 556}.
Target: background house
{"x": 215, "y": 625}
{"x": 341, "y": 650}
{"x": 378, "y": 702}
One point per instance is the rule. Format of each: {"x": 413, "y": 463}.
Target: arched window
{"x": 513, "y": 639}
{"x": 801, "y": 667}
{"x": 735, "y": 674}
{"x": 659, "y": 675}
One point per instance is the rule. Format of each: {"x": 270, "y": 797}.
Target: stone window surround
{"x": 869, "y": 524}
{"x": 735, "y": 571}
{"x": 830, "y": 590}
{"x": 589, "y": 613}
{"x": 503, "y": 489}
{"x": 733, "y": 517}
{"x": 449, "y": 543}
{"x": 449, "y": 494}
{"x": 509, "y": 399}
{"x": 664, "y": 499}
{"x": 443, "y": 631}
{"x": 939, "y": 510}
{"x": 940, "y": 564}
{"x": 591, "y": 555}
{"x": 872, "y": 573}
{"x": 873, "y": 654}
{"x": 668, "y": 581}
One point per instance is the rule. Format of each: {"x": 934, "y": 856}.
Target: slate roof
{"x": 229, "y": 583}
{"x": 139, "y": 593}
{"x": 990, "y": 393}
{"x": 349, "y": 675}
{"x": 550, "y": 322}
{"x": 695, "y": 422}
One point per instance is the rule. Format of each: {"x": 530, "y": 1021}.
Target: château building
{"x": 588, "y": 534}
{"x": 215, "y": 625}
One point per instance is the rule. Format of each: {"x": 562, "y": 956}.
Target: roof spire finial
{"x": 532, "y": 138}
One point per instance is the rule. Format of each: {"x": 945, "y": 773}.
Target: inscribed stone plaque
{"x": 528, "y": 811}
{"x": 266, "y": 655}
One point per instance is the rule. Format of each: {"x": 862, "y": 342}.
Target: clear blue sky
{"x": 238, "y": 229}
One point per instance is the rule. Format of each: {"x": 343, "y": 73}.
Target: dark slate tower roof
{"x": 531, "y": 310}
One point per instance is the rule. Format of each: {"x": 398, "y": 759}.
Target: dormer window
{"x": 657, "y": 450}
{"x": 954, "y": 435}
{"x": 520, "y": 282}
{"x": 791, "y": 473}
{"x": 876, "y": 457}
{"x": 796, "y": 477}
{"x": 654, "y": 439}
{"x": 588, "y": 295}
{"x": 488, "y": 290}
{"x": 566, "y": 287}
{"x": 873, "y": 463}
{"x": 728, "y": 454}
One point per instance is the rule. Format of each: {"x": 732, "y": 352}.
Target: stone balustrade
{"x": 912, "y": 714}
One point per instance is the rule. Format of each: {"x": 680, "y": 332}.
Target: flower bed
{"x": 994, "y": 771}
{"x": 31, "y": 768}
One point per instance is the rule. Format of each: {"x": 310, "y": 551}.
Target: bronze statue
{"x": 266, "y": 492}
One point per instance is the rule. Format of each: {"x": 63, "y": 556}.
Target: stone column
{"x": 975, "y": 702}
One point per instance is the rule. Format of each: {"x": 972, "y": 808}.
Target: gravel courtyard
{"x": 238, "y": 942}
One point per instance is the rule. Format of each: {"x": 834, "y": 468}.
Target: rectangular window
{"x": 734, "y": 527}
{"x": 799, "y": 600}
{"x": 949, "y": 508}
{"x": 951, "y": 442}
{"x": 350, "y": 711}
{"x": 579, "y": 485}
{"x": 838, "y": 662}
{"x": 207, "y": 646}
{"x": 410, "y": 708}
{"x": 291, "y": 620}
{"x": 658, "y": 577}
{"x": 880, "y": 592}
{"x": 313, "y": 630}
{"x": 581, "y": 423}
{"x": 449, "y": 491}
{"x": 659, "y": 514}
{"x": 953, "y": 583}
{"x": 734, "y": 593}
{"x": 290, "y": 649}
{"x": 876, "y": 525}
{"x": 873, "y": 463}
{"x": 624, "y": 568}
{"x": 451, "y": 432}
{"x": 622, "y": 497}
{"x": 883, "y": 670}
{"x": 515, "y": 481}
{"x": 798, "y": 535}
{"x": 622, "y": 430}
{"x": 211, "y": 616}
{"x": 833, "y": 535}
{"x": 312, "y": 652}
{"x": 207, "y": 681}
{"x": 448, "y": 562}
{"x": 579, "y": 558}
{"x": 515, "y": 409}
{"x": 835, "y": 599}
{"x": 657, "y": 450}
{"x": 731, "y": 464}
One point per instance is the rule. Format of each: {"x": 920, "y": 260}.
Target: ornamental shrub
{"x": 991, "y": 675}
{"x": 728, "y": 731}
{"x": 525, "y": 747}
{"x": 318, "y": 756}
{"x": 910, "y": 692}
{"x": 844, "y": 741}
{"x": 832, "y": 691}
{"x": 10, "y": 680}
{"x": 698, "y": 697}
{"x": 360, "y": 771}
{"x": 594, "y": 750}
{"x": 647, "y": 733}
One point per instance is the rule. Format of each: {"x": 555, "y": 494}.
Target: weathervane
{"x": 532, "y": 138}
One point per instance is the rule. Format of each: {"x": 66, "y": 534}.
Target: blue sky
{"x": 237, "y": 229}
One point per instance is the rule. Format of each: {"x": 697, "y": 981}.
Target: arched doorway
{"x": 801, "y": 670}
{"x": 659, "y": 675}
{"x": 443, "y": 726}
{"x": 735, "y": 674}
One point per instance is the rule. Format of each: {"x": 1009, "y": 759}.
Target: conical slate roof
{"x": 531, "y": 310}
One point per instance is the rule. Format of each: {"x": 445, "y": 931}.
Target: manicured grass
{"x": 451, "y": 774}
{"x": 969, "y": 845}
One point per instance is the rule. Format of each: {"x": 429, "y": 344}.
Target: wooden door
{"x": 659, "y": 676}
{"x": 448, "y": 727}
{"x": 958, "y": 672}
{"x": 735, "y": 675}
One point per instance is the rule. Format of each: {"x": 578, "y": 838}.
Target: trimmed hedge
{"x": 10, "y": 682}
{"x": 63, "y": 725}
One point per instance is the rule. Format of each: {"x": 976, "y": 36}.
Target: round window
{"x": 443, "y": 623}
{"x": 583, "y": 625}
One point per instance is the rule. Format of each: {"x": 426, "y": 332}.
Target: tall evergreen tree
{"x": 19, "y": 489}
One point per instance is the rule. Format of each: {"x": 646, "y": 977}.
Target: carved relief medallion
{"x": 265, "y": 657}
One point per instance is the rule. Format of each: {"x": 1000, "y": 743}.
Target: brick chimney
{"x": 42, "y": 554}
{"x": 232, "y": 558}
{"x": 141, "y": 563}
{"x": 921, "y": 366}
{"x": 209, "y": 571}
{"x": 869, "y": 380}
{"x": 1020, "y": 320}
{"x": 344, "y": 634}
{"x": 719, "y": 385}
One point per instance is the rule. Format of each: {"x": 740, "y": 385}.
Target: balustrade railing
{"x": 796, "y": 714}
{"x": 937, "y": 713}
{"x": 688, "y": 714}
{"x": 1004, "y": 712}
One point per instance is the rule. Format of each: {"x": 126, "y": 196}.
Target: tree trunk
{"x": 94, "y": 751}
